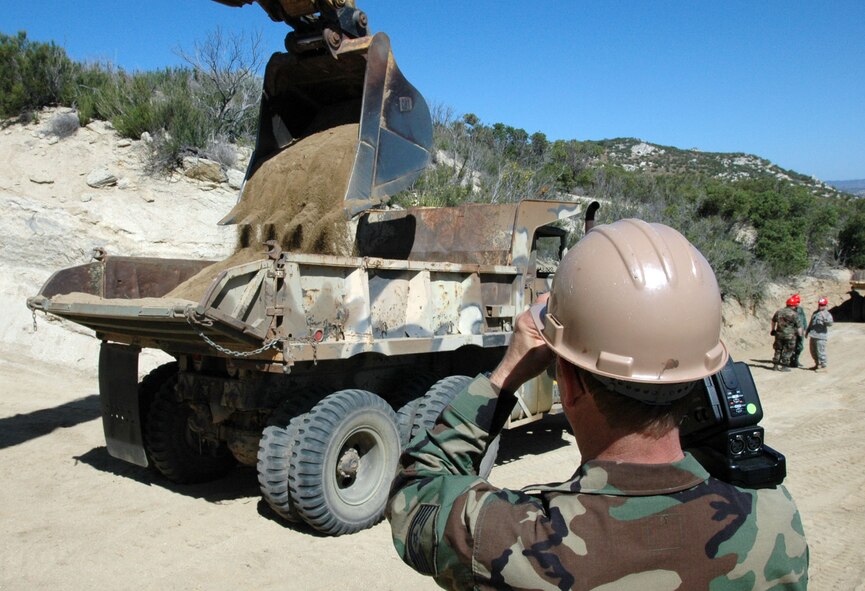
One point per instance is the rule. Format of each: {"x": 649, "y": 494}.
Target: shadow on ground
{"x": 767, "y": 364}
{"x": 533, "y": 439}
{"x": 240, "y": 483}
{"x": 21, "y": 428}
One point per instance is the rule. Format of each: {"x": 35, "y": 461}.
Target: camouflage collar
{"x": 633, "y": 480}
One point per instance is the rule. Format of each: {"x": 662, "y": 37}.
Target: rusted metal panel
{"x": 419, "y": 309}
{"x": 127, "y": 277}
{"x": 478, "y": 234}
{"x": 388, "y": 293}
{"x": 82, "y": 278}
{"x": 123, "y": 277}
{"x": 531, "y": 215}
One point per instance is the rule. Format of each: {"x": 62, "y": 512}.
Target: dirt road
{"x": 72, "y": 517}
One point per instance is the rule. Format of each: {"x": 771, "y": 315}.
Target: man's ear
{"x": 571, "y": 386}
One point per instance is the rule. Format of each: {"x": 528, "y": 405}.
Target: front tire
{"x": 344, "y": 461}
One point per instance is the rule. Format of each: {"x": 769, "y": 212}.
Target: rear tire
{"x": 405, "y": 421}
{"x": 432, "y": 404}
{"x": 180, "y": 454}
{"x": 406, "y": 401}
{"x": 344, "y": 461}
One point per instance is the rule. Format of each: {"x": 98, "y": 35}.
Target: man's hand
{"x": 527, "y": 355}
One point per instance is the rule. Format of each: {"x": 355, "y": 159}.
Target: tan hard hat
{"x": 638, "y": 306}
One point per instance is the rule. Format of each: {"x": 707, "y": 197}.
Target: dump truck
{"x": 317, "y": 367}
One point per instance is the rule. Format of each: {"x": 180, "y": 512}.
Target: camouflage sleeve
{"x": 437, "y": 482}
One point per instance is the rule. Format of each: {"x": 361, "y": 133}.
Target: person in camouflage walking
{"x": 818, "y": 330}
{"x": 800, "y": 339}
{"x": 786, "y": 326}
{"x": 632, "y": 323}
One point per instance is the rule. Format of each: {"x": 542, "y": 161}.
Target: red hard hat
{"x": 796, "y": 299}
{"x": 822, "y": 302}
{"x": 792, "y": 301}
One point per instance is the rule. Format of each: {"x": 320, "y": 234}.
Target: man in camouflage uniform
{"x": 800, "y": 339}
{"x": 786, "y": 327}
{"x": 818, "y": 330}
{"x": 639, "y": 513}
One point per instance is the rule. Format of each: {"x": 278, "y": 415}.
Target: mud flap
{"x": 118, "y": 395}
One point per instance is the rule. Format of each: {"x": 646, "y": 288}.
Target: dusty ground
{"x": 72, "y": 517}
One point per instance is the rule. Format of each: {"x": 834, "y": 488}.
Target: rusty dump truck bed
{"x": 290, "y": 306}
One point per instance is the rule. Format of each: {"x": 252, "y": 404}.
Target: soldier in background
{"x": 786, "y": 326}
{"x": 800, "y": 339}
{"x": 818, "y": 330}
{"x": 639, "y": 513}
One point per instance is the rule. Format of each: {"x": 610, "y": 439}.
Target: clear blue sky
{"x": 781, "y": 79}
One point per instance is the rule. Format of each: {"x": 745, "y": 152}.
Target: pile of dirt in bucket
{"x": 296, "y": 198}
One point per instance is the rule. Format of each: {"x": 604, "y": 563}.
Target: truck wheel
{"x": 406, "y": 400}
{"x": 274, "y": 456}
{"x": 274, "y": 453}
{"x": 180, "y": 454}
{"x": 405, "y": 421}
{"x": 152, "y": 382}
{"x": 147, "y": 389}
{"x": 434, "y": 402}
{"x": 344, "y": 461}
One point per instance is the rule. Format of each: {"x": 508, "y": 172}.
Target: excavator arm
{"x": 311, "y": 16}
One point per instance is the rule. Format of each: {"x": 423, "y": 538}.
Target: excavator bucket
{"x": 308, "y": 91}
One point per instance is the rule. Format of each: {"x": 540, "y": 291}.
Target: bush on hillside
{"x": 32, "y": 75}
{"x": 193, "y": 109}
{"x": 851, "y": 240}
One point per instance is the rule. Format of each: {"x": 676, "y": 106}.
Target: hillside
{"x": 54, "y": 219}
{"x": 637, "y": 155}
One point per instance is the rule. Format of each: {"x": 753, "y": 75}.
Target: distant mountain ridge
{"x": 854, "y": 187}
{"x": 636, "y": 155}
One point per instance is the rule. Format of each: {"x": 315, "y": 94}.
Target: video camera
{"x": 721, "y": 430}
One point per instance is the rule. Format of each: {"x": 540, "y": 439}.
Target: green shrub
{"x": 32, "y": 75}
{"x": 851, "y": 241}
{"x": 179, "y": 127}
